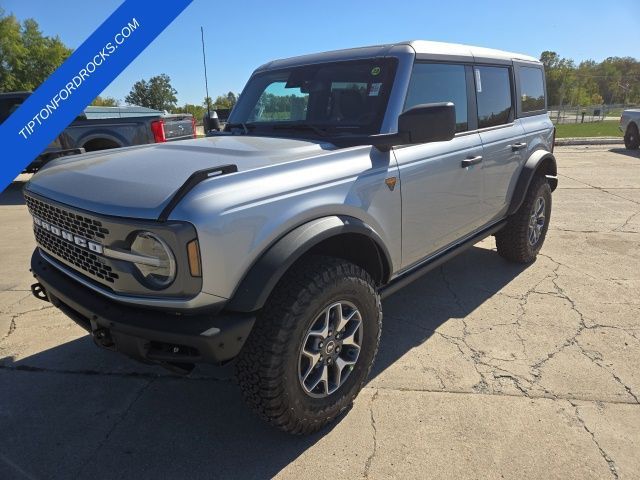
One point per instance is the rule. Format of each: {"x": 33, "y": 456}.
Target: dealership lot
{"x": 486, "y": 369}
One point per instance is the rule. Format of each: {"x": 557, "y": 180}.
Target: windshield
{"x": 321, "y": 99}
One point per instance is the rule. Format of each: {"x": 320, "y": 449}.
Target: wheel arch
{"x": 101, "y": 141}
{"x": 541, "y": 162}
{"x": 340, "y": 236}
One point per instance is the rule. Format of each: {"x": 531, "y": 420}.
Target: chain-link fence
{"x": 584, "y": 114}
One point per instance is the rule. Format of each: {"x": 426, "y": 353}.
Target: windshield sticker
{"x": 374, "y": 91}
{"x": 375, "y": 71}
{"x": 478, "y": 81}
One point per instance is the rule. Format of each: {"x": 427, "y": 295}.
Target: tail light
{"x": 193, "y": 126}
{"x": 157, "y": 128}
{"x": 553, "y": 139}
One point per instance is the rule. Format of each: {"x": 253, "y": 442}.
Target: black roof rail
{"x": 191, "y": 182}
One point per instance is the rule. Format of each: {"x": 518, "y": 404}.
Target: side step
{"x": 435, "y": 261}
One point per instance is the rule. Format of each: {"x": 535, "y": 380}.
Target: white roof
{"x": 427, "y": 50}
{"x": 442, "y": 48}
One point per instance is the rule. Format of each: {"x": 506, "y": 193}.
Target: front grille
{"x": 75, "y": 223}
{"x": 80, "y": 258}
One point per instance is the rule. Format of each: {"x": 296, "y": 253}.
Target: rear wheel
{"x": 522, "y": 238}
{"x": 631, "y": 137}
{"x": 313, "y": 346}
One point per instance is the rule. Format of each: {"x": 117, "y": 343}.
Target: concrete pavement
{"x": 485, "y": 370}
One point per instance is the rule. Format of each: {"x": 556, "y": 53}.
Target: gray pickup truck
{"x": 101, "y": 128}
{"x": 340, "y": 177}
{"x": 629, "y": 125}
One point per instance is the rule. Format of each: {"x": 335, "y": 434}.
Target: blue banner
{"x": 82, "y": 77}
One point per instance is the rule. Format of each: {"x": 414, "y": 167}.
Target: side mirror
{"x": 211, "y": 123}
{"x": 429, "y": 122}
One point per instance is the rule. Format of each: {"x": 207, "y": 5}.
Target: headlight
{"x": 158, "y": 266}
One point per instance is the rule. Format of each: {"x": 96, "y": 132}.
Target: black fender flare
{"x": 539, "y": 161}
{"x": 258, "y": 283}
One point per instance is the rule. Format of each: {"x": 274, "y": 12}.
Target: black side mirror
{"x": 429, "y": 122}
{"x": 211, "y": 123}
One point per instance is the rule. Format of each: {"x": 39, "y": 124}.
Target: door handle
{"x": 467, "y": 162}
{"x": 518, "y": 146}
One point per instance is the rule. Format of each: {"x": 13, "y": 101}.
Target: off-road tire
{"x": 512, "y": 242}
{"x": 267, "y": 367}
{"x": 632, "y": 138}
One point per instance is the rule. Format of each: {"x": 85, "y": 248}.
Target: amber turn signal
{"x": 193, "y": 252}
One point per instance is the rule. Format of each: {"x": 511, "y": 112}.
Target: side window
{"x": 434, "y": 82}
{"x": 493, "y": 94}
{"x": 531, "y": 89}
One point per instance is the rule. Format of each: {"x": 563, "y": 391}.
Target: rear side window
{"x": 8, "y": 106}
{"x": 493, "y": 94}
{"x": 434, "y": 83}
{"x": 531, "y": 89}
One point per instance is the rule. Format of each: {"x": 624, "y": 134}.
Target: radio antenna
{"x": 206, "y": 81}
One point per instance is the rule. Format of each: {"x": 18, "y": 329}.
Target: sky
{"x": 241, "y": 35}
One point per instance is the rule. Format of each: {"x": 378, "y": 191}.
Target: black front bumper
{"x": 147, "y": 335}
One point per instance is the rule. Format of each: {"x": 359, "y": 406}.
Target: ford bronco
{"x": 339, "y": 178}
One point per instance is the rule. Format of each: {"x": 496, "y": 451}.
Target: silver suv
{"x": 340, "y": 178}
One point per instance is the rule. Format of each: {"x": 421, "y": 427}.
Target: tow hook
{"x": 39, "y": 292}
{"x": 102, "y": 337}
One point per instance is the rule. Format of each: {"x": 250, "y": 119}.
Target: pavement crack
{"x": 626, "y": 222}
{"x": 515, "y": 380}
{"x": 545, "y": 395}
{"x": 12, "y": 328}
{"x": 374, "y": 451}
{"x": 560, "y": 293}
{"x": 452, "y": 291}
{"x": 610, "y": 462}
{"x": 141, "y": 375}
{"x": 596, "y": 358}
{"x": 601, "y": 189}
{"x": 115, "y": 425}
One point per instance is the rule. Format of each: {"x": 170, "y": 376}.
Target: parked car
{"x": 101, "y": 128}
{"x": 629, "y": 122}
{"x": 340, "y": 178}
{"x": 60, "y": 147}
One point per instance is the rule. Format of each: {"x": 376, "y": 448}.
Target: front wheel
{"x": 522, "y": 238}
{"x": 631, "y": 138}
{"x": 313, "y": 345}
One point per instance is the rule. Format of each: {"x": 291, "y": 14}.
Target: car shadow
{"x": 627, "y": 152}
{"x": 171, "y": 426}
{"x": 12, "y": 195}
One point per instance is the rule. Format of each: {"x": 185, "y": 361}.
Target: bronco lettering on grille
{"x": 68, "y": 236}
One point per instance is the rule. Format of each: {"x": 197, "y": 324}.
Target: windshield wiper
{"x": 302, "y": 126}
{"x": 244, "y": 126}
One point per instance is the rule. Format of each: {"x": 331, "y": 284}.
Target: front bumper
{"x": 175, "y": 340}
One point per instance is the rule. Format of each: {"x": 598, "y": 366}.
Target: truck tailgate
{"x": 178, "y": 127}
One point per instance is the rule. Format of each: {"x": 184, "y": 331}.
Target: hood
{"x": 138, "y": 182}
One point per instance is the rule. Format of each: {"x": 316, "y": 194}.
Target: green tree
{"x": 157, "y": 93}
{"x": 27, "y": 57}
{"x": 197, "y": 111}
{"x": 105, "y": 102}
{"x": 225, "y": 101}
{"x": 615, "y": 80}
